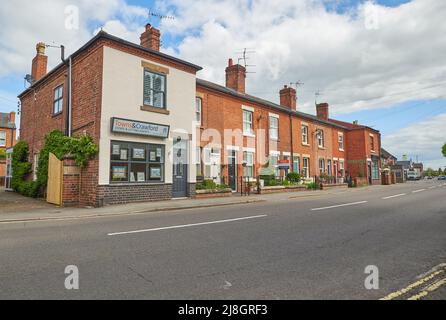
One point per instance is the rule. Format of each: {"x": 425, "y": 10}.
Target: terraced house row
{"x": 159, "y": 128}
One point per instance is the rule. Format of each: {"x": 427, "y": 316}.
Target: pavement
{"x": 282, "y": 246}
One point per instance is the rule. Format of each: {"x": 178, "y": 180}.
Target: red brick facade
{"x": 8, "y": 131}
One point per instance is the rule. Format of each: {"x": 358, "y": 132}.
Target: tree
{"x": 444, "y": 150}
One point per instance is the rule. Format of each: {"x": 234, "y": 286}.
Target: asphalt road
{"x": 292, "y": 248}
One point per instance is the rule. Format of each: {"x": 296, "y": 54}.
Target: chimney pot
{"x": 39, "y": 63}
{"x": 322, "y": 110}
{"x": 150, "y": 38}
{"x": 288, "y": 97}
{"x": 235, "y": 76}
{"x": 12, "y": 117}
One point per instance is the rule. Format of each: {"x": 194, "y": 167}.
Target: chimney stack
{"x": 288, "y": 97}
{"x": 235, "y": 77}
{"x": 12, "y": 117}
{"x": 150, "y": 39}
{"x": 40, "y": 62}
{"x": 322, "y": 110}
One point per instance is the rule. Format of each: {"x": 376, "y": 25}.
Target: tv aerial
{"x": 153, "y": 14}
{"x": 244, "y": 59}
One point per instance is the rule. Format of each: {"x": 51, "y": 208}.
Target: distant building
{"x": 7, "y": 139}
{"x": 387, "y": 159}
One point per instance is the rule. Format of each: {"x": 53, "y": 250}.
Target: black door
{"x": 232, "y": 170}
{"x": 179, "y": 189}
{"x": 369, "y": 169}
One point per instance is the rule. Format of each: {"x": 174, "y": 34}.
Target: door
{"x": 54, "y": 188}
{"x": 232, "y": 170}
{"x": 369, "y": 170}
{"x": 180, "y": 168}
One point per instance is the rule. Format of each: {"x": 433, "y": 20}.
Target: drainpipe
{"x": 292, "y": 144}
{"x": 69, "y": 64}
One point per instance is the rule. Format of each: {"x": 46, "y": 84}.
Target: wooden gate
{"x": 55, "y": 176}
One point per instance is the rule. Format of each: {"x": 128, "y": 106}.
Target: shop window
{"x": 136, "y": 162}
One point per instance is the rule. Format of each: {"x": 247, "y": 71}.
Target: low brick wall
{"x": 277, "y": 189}
{"x": 335, "y": 186}
{"x": 207, "y": 194}
{"x": 127, "y": 193}
{"x": 70, "y": 183}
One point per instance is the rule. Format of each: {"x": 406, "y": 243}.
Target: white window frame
{"x": 321, "y": 168}
{"x": 274, "y": 127}
{"x": 306, "y": 167}
{"x": 3, "y": 133}
{"x": 248, "y": 122}
{"x": 198, "y": 110}
{"x": 304, "y": 130}
{"x": 248, "y": 160}
{"x": 342, "y": 167}
{"x": 296, "y": 159}
{"x": 341, "y": 141}
{"x": 320, "y": 138}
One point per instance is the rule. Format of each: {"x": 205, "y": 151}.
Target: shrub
{"x": 312, "y": 186}
{"x": 293, "y": 177}
{"x": 2, "y": 154}
{"x": 20, "y": 169}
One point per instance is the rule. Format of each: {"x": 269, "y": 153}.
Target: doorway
{"x": 180, "y": 168}
{"x": 232, "y": 170}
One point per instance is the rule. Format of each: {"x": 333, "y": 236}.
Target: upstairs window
{"x": 304, "y": 134}
{"x": 341, "y": 141}
{"x": 274, "y": 128}
{"x": 154, "y": 89}
{"x": 2, "y": 139}
{"x": 320, "y": 138}
{"x": 58, "y": 100}
{"x": 372, "y": 143}
{"x": 247, "y": 122}
{"x": 198, "y": 110}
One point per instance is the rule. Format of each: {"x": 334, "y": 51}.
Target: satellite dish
{"x": 29, "y": 78}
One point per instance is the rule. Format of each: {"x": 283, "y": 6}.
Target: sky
{"x": 379, "y": 62}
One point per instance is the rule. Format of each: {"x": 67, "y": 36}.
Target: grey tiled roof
{"x": 270, "y": 104}
{"x": 4, "y": 121}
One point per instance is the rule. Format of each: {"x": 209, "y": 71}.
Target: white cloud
{"x": 423, "y": 139}
{"x": 24, "y": 23}
{"x": 370, "y": 57}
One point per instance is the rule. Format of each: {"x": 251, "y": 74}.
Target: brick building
{"x": 7, "y": 139}
{"x": 241, "y": 133}
{"x": 158, "y": 127}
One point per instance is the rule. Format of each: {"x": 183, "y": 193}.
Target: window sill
{"x": 342, "y": 150}
{"x": 322, "y": 148}
{"x": 155, "y": 110}
{"x": 250, "y": 135}
{"x": 56, "y": 114}
{"x": 306, "y": 144}
{"x": 123, "y": 183}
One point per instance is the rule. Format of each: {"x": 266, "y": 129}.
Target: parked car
{"x": 430, "y": 177}
{"x": 442, "y": 178}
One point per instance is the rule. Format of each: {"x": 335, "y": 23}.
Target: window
{"x": 372, "y": 143}
{"x": 2, "y": 139}
{"x": 274, "y": 128}
{"x": 296, "y": 164}
{"x": 320, "y": 138}
{"x": 375, "y": 170}
{"x": 248, "y": 159}
{"x": 341, "y": 141}
{"x": 306, "y": 168}
{"x": 247, "y": 122}
{"x": 321, "y": 166}
{"x": 341, "y": 168}
{"x": 211, "y": 161}
{"x": 304, "y": 134}
{"x": 136, "y": 162}
{"x": 198, "y": 161}
{"x": 329, "y": 167}
{"x": 154, "y": 89}
{"x": 198, "y": 108}
{"x": 58, "y": 100}
{"x": 274, "y": 158}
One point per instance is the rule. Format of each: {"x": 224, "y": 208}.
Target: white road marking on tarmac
{"x": 395, "y": 196}
{"x": 187, "y": 225}
{"x": 339, "y": 205}
{"x": 417, "y": 191}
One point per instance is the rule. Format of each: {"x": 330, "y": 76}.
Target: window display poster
{"x": 116, "y": 149}
{"x": 141, "y": 176}
{"x": 124, "y": 154}
{"x": 132, "y": 177}
{"x": 119, "y": 172}
{"x": 158, "y": 152}
{"x": 155, "y": 173}
{"x": 139, "y": 154}
{"x": 152, "y": 156}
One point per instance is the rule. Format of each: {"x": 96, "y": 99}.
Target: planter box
{"x": 213, "y": 193}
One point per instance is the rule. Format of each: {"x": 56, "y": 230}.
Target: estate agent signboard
{"x": 140, "y": 128}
